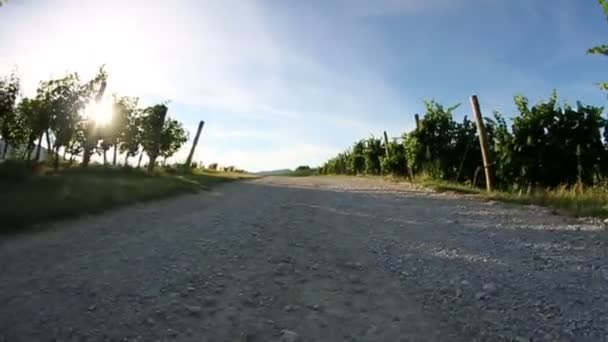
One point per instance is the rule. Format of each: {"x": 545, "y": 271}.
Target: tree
{"x": 130, "y": 137}
{"x": 28, "y": 110}
{"x": 64, "y": 100}
{"x": 601, "y": 49}
{"x": 372, "y": 153}
{"x": 96, "y": 86}
{"x": 76, "y": 144}
{"x": 153, "y": 121}
{"x": 122, "y": 109}
{"x": 10, "y": 123}
{"x": 173, "y": 137}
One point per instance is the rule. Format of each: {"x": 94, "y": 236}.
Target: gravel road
{"x": 308, "y": 259}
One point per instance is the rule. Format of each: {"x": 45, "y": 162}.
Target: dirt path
{"x": 308, "y": 259}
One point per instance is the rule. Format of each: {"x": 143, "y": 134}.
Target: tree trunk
{"x": 27, "y": 154}
{"x": 65, "y": 152}
{"x": 71, "y": 159}
{"x": 141, "y": 155}
{"x": 151, "y": 163}
{"x": 5, "y": 150}
{"x": 105, "y": 160}
{"x": 38, "y": 148}
{"x": 49, "y": 149}
{"x": 115, "y": 153}
{"x": 127, "y": 159}
{"x": 56, "y": 166}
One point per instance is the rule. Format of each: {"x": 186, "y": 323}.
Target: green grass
{"x": 574, "y": 201}
{"x": 587, "y": 203}
{"x": 45, "y": 196}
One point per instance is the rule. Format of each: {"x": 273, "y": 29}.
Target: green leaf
{"x": 604, "y": 4}
{"x": 598, "y": 50}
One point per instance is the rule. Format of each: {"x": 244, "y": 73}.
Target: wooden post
{"x": 386, "y": 144}
{"x": 483, "y": 141}
{"x": 194, "y": 143}
{"x": 417, "y": 118}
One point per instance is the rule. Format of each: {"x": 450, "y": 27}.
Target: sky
{"x": 282, "y": 83}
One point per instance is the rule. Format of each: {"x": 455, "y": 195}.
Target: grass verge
{"x": 44, "y": 196}
{"x": 577, "y": 202}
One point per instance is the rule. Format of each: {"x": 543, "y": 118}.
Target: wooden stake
{"x": 483, "y": 141}
{"x": 194, "y": 143}
{"x": 386, "y": 144}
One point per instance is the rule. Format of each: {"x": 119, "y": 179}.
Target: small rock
{"x": 458, "y": 293}
{"x": 464, "y": 282}
{"x": 490, "y": 288}
{"x": 480, "y": 295}
{"x": 194, "y": 310}
{"x": 289, "y": 336}
{"x": 150, "y": 321}
{"x": 354, "y": 279}
{"x": 210, "y": 301}
{"x": 282, "y": 269}
{"x": 92, "y": 308}
{"x": 288, "y": 308}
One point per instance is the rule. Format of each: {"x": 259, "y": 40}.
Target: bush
{"x": 18, "y": 170}
{"x": 547, "y": 145}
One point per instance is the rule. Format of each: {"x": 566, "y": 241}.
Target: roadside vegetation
{"x": 34, "y": 193}
{"x": 548, "y": 154}
{"x": 95, "y": 146}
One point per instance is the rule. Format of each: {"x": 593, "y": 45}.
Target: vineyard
{"x": 81, "y": 130}
{"x": 67, "y": 112}
{"x": 555, "y": 147}
{"x": 547, "y": 145}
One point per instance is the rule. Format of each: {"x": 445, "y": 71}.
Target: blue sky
{"x": 285, "y": 82}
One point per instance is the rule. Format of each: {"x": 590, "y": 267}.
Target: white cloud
{"x": 226, "y": 57}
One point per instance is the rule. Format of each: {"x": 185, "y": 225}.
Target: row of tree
{"x": 546, "y": 145}
{"x": 58, "y": 112}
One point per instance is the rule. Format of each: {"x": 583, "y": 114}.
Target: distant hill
{"x": 274, "y": 172}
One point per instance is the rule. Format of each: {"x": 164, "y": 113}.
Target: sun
{"x": 100, "y": 113}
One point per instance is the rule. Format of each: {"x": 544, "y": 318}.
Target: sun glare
{"x": 100, "y": 113}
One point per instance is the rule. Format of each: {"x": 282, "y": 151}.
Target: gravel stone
{"x": 386, "y": 261}
{"x": 289, "y": 336}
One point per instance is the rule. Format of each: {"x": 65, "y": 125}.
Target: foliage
{"x": 212, "y": 166}
{"x": 49, "y": 197}
{"x": 395, "y": 163}
{"x": 10, "y": 123}
{"x": 547, "y": 145}
{"x": 153, "y": 121}
{"x": 172, "y": 137}
{"x": 62, "y": 101}
{"x": 16, "y": 170}
{"x": 601, "y": 49}
{"x": 63, "y": 109}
